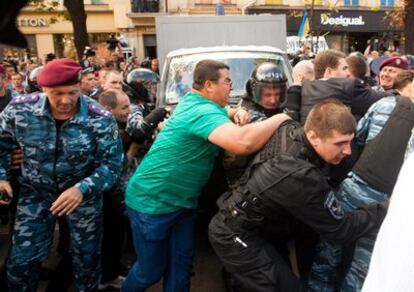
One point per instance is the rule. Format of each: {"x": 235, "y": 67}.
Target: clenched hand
{"x": 241, "y": 117}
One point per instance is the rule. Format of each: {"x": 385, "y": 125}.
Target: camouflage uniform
{"x": 87, "y": 153}
{"x": 378, "y": 88}
{"x": 353, "y": 193}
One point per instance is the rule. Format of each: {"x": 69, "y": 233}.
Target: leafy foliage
{"x": 52, "y": 6}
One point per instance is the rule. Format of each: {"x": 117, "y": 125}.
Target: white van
{"x": 177, "y": 74}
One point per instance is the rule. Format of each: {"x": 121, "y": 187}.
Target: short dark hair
{"x": 207, "y": 70}
{"x": 85, "y": 72}
{"x": 329, "y": 115}
{"x": 109, "y": 98}
{"x": 357, "y": 66}
{"x": 403, "y": 78}
{"x": 326, "y": 59}
{"x": 109, "y": 64}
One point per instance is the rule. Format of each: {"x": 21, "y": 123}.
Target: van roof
{"x": 198, "y": 50}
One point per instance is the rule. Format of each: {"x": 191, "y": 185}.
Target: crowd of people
{"x": 314, "y": 162}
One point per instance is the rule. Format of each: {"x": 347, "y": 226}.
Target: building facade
{"x": 347, "y": 25}
{"x": 49, "y": 32}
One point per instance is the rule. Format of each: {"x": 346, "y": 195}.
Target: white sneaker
{"x": 115, "y": 283}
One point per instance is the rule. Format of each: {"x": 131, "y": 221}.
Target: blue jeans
{"x": 164, "y": 245}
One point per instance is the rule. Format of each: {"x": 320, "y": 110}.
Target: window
{"x": 180, "y": 70}
{"x": 351, "y": 2}
{"x": 387, "y": 3}
{"x": 150, "y": 46}
{"x": 139, "y": 6}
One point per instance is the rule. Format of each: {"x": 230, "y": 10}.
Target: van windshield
{"x": 180, "y": 71}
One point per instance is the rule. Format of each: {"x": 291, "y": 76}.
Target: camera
{"x": 4, "y": 196}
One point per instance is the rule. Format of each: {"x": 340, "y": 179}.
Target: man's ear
{"x": 313, "y": 138}
{"x": 328, "y": 72}
{"x": 108, "y": 108}
{"x": 208, "y": 86}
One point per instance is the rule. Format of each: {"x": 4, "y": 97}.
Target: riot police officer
{"x": 72, "y": 152}
{"x": 32, "y": 85}
{"x": 265, "y": 91}
{"x": 148, "y": 79}
{"x": 265, "y": 95}
{"x": 284, "y": 187}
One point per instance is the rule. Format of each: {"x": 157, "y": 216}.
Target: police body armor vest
{"x": 259, "y": 113}
{"x": 243, "y": 206}
{"x": 235, "y": 165}
{"x": 381, "y": 160}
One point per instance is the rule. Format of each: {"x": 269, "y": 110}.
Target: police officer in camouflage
{"x": 388, "y": 70}
{"x": 283, "y": 188}
{"x": 72, "y": 152}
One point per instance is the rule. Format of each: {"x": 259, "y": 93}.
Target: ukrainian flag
{"x": 304, "y": 26}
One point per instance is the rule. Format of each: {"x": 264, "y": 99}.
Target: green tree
{"x": 75, "y": 13}
{"x": 403, "y": 17}
{"x": 408, "y": 26}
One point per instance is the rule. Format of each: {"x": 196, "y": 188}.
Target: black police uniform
{"x": 284, "y": 187}
{"x": 264, "y": 75}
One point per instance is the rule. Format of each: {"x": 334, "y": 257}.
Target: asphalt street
{"x": 207, "y": 268}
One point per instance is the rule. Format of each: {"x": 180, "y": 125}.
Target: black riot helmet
{"x": 32, "y": 85}
{"x": 263, "y": 76}
{"x": 148, "y": 79}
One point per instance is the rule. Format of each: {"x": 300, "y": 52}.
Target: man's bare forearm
{"x": 255, "y": 135}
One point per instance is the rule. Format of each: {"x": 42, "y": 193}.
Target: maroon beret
{"x": 2, "y": 70}
{"x": 398, "y": 62}
{"x": 59, "y": 72}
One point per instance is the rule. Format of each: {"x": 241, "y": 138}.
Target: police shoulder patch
{"x": 26, "y": 98}
{"x": 99, "y": 110}
{"x": 115, "y": 132}
{"x": 333, "y": 206}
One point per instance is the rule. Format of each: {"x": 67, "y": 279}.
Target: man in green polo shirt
{"x": 162, "y": 195}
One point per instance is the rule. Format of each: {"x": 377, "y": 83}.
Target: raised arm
{"x": 246, "y": 139}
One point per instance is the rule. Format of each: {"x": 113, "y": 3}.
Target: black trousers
{"x": 254, "y": 264}
{"x": 62, "y": 277}
{"x": 114, "y": 229}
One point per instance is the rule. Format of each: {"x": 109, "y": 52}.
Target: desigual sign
{"x": 34, "y": 22}
{"x": 342, "y": 21}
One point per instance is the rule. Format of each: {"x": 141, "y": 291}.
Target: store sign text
{"x": 341, "y": 20}
{"x": 37, "y": 22}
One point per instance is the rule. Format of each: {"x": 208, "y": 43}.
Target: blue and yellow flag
{"x": 304, "y": 25}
